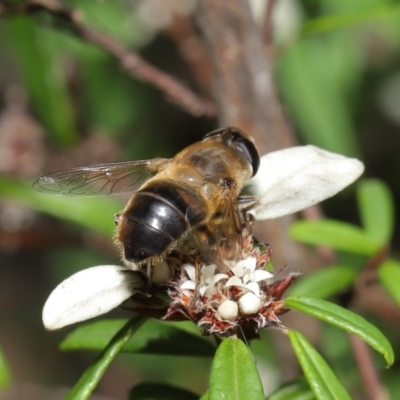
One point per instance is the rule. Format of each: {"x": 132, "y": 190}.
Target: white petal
{"x": 261, "y": 275}
{"x": 254, "y": 287}
{"x": 228, "y": 310}
{"x": 240, "y": 267}
{"x": 217, "y": 278}
{"x": 206, "y": 290}
{"x": 89, "y": 293}
{"x": 207, "y": 272}
{"x": 250, "y": 263}
{"x": 249, "y": 304}
{"x": 238, "y": 270}
{"x": 234, "y": 281}
{"x": 190, "y": 270}
{"x": 293, "y": 179}
{"x": 188, "y": 285}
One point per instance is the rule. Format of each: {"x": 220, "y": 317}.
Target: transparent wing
{"x": 101, "y": 179}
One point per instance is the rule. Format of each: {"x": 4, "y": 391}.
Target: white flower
{"x": 293, "y": 179}
{"x": 287, "y": 181}
{"x": 247, "y": 276}
{"x": 89, "y": 293}
{"x": 208, "y": 278}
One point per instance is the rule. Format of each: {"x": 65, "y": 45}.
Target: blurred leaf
{"x": 344, "y": 319}
{"x": 317, "y": 76}
{"x": 110, "y": 98}
{"x": 204, "y": 396}
{"x": 154, "y": 337}
{"x": 298, "y": 389}
{"x": 377, "y": 210}
{"x": 234, "y": 375}
{"x": 114, "y": 19}
{"x": 160, "y": 391}
{"x": 39, "y": 59}
{"x": 336, "y": 234}
{"x": 389, "y": 275}
{"x": 92, "y": 213}
{"x": 325, "y": 282}
{"x": 5, "y": 373}
{"x": 91, "y": 377}
{"x": 321, "y": 378}
{"x": 333, "y": 22}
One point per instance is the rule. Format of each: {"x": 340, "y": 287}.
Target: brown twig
{"x": 373, "y": 387}
{"x": 267, "y": 23}
{"x": 129, "y": 60}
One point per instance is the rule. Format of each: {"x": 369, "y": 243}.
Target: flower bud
{"x": 228, "y": 310}
{"x": 249, "y": 304}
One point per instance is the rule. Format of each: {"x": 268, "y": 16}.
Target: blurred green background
{"x": 65, "y": 103}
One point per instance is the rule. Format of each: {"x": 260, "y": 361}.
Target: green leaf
{"x": 340, "y": 21}
{"x": 325, "y": 282}
{"x": 89, "y": 212}
{"x": 205, "y": 396}
{"x": 298, "y": 389}
{"x": 154, "y": 337}
{"x": 90, "y": 378}
{"x": 316, "y": 76}
{"x": 5, "y": 373}
{"x": 344, "y": 319}
{"x": 234, "y": 375}
{"x": 338, "y": 235}
{"x": 40, "y": 62}
{"x": 107, "y": 16}
{"x": 160, "y": 391}
{"x": 377, "y": 210}
{"x": 321, "y": 378}
{"x": 389, "y": 275}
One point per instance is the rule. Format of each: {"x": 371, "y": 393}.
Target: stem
{"x": 92, "y": 376}
{"x": 130, "y": 61}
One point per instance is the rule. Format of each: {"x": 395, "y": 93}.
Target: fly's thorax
{"x": 209, "y": 163}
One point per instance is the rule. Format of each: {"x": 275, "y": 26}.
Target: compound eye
{"x": 248, "y": 149}
{"x": 235, "y": 138}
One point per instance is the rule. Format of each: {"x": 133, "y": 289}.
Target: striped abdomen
{"x": 156, "y": 217}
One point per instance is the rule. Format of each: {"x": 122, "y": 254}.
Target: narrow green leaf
{"x": 377, "y": 209}
{"x": 338, "y": 235}
{"x": 325, "y": 282}
{"x": 344, "y": 319}
{"x": 298, "y": 389}
{"x": 321, "y": 378}
{"x": 5, "y": 373}
{"x": 40, "y": 62}
{"x": 91, "y": 377}
{"x": 154, "y": 337}
{"x": 160, "y": 391}
{"x": 89, "y": 212}
{"x": 234, "y": 375}
{"x": 340, "y": 21}
{"x": 389, "y": 275}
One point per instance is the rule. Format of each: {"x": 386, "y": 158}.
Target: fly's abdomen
{"x": 157, "y": 217}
